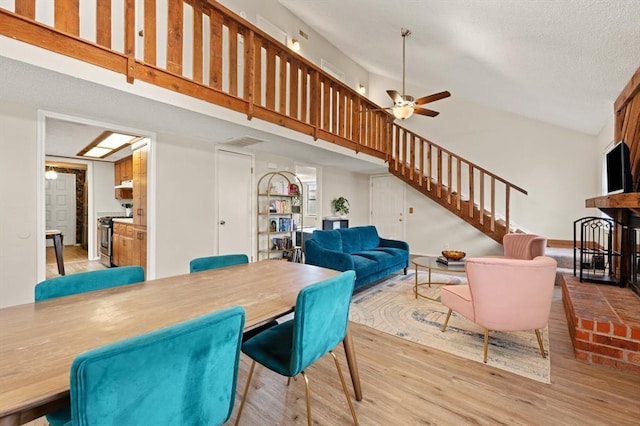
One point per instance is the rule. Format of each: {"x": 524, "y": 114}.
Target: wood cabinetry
{"x": 123, "y": 170}
{"x": 140, "y": 186}
{"x": 279, "y": 216}
{"x": 129, "y": 245}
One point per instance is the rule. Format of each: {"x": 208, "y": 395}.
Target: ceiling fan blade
{"x": 432, "y": 98}
{"x": 395, "y": 96}
{"x": 424, "y": 111}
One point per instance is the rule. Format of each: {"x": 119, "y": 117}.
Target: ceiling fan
{"x": 404, "y": 106}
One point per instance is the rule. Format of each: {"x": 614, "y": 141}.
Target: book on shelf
{"x": 450, "y": 262}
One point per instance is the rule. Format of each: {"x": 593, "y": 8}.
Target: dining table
{"x": 39, "y": 341}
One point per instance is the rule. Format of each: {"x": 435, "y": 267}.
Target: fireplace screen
{"x": 594, "y": 257}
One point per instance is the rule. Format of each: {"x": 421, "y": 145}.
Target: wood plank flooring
{"x": 408, "y": 384}
{"x": 75, "y": 260}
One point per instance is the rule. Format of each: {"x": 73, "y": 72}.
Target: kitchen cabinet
{"x": 140, "y": 186}
{"x": 129, "y": 244}
{"x": 123, "y": 170}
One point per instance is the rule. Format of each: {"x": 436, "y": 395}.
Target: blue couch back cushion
{"x": 359, "y": 238}
{"x": 329, "y": 240}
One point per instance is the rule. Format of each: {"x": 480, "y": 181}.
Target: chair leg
{"x": 246, "y": 390}
{"x": 539, "y": 336}
{"x": 446, "y": 321}
{"x": 344, "y": 388}
{"x": 308, "y": 395}
{"x": 486, "y": 344}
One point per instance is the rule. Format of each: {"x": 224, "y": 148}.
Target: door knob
{"x": 222, "y": 222}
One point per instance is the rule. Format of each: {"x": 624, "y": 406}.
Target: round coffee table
{"x": 430, "y": 263}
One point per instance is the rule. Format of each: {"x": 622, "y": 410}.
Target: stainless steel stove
{"x": 105, "y": 238}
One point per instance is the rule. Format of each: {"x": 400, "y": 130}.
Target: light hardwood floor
{"x": 75, "y": 260}
{"x": 408, "y": 384}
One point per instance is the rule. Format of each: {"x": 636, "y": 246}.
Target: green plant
{"x": 127, "y": 205}
{"x": 340, "y": 205}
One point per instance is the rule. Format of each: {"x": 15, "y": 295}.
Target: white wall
{"x": 18, "y": 180}
{"x": 104, "y": 198}
{"x": 354, "y": 187}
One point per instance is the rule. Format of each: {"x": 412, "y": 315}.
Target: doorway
{"x": 61, "y": 138}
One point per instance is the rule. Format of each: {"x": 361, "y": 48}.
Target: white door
{"x": 60, "y": 206}
{"x": 387, "y": 206}
{"x": 235, "y": 194}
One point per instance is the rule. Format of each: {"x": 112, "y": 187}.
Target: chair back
{"x": 213, "y": 262}
{"x": 511, "y": 294}
{"x": 83, "y": 282}
{"x": 184, "y": 374}
{"x": 320, "y": 322}
{"x": 524, "y": 246}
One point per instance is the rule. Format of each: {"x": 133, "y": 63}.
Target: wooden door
{"x": 235, "y": 200}
{"x": 140, "y": 186}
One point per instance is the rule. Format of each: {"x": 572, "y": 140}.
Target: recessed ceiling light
{"x": 107, "y": 143}
{"x": 97, "y": 152}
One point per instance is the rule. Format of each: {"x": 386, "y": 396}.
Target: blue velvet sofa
{"x": 359, "y": 249}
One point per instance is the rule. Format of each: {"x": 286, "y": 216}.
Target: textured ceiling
{"x": 559, "y": 61}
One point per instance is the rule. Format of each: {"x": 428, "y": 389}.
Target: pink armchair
{"x": 504, "y": 295}
{"x": 523, "y": 246}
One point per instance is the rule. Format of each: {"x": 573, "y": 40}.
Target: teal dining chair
{"x": 184, "y": 374}
{"x": 200, "y": 264}
{"x": 213, "y": 262}
{"x": 318, "y": 326}
{"x": 83, "y": 282}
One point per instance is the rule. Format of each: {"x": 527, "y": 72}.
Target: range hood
{"x": 125, "y": 184}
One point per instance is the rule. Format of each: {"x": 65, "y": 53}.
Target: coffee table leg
{"x": 415, "y": 287}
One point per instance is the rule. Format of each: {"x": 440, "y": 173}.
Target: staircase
{"x": 263, "y": 79}
{"x": 462, "y": 187}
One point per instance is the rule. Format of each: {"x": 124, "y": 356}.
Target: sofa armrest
{"x": 394, "y": 243}
{"x": 318, "y": 256}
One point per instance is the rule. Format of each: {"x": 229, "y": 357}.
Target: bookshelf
{"x": 280, "y": 215}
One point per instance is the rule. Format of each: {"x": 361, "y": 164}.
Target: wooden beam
{"x": 103, "y": 23}
{"x": 630, "y": 90}
{"x": 26, "y": 8}
{"x": 67, "y": 16}
{"x": 174, "y": 36}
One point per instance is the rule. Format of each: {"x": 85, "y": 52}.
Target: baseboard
{"x": 560, "y": 243}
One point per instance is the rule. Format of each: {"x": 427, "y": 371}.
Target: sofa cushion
{"x": 351, "y": 239}
{"x": 369, "y": 237}
{"x": 395, "y": 252}
{"x": 364, "y": 266}
{"x": 385, "y": 260}
{"x": 329, "y": 240}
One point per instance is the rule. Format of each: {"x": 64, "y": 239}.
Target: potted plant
{"x": 340, "y": 206}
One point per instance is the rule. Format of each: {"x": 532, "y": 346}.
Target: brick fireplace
{"x": 604, "y": 323}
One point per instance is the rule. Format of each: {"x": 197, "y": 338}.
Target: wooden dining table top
{"x": 39, "y": 341}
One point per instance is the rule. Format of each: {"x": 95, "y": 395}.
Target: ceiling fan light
{"x": 402, "y": 112}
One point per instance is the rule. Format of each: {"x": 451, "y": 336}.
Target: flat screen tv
{"x": 618, "y": 169}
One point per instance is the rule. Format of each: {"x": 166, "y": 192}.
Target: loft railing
{"x": 201, "y": 49}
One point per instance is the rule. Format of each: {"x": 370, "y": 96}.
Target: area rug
{"x": 391, "y": 307}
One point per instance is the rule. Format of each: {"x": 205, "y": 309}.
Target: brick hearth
{"x": 604, "y": 323}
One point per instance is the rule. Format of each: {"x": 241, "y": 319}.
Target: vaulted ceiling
{"x": 559, "y": 61}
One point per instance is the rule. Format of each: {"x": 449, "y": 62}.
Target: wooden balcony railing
{"x": 201, "y": 49}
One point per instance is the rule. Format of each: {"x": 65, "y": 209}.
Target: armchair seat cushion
{"x": 359, "y": 249}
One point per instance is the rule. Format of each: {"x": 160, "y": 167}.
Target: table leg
{"x": 415, "y": 287}
{"x": 57, "y": 245}
{"x": 350, "y": 353}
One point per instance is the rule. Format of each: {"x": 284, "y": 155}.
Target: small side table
{"x": 429, "y": 263}
{"x": 57, "y": 237}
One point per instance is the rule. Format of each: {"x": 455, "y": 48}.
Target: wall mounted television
{"x": 618, "y": 169}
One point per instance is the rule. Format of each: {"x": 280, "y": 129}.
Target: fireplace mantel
{"x": 615, "y": 203}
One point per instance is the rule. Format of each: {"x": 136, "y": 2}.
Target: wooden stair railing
{"x": 462, "y": 187}
{"x": 229, "y": 62}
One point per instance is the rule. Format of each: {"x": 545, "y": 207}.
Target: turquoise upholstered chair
{"x": 184, "y": 374}
{"x": 88, "y": 281}
{"x": 213, "y": 262}
{"x": 318, "y": 326}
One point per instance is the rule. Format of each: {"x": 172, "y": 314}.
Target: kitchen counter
{"x": 123, "y": 220}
